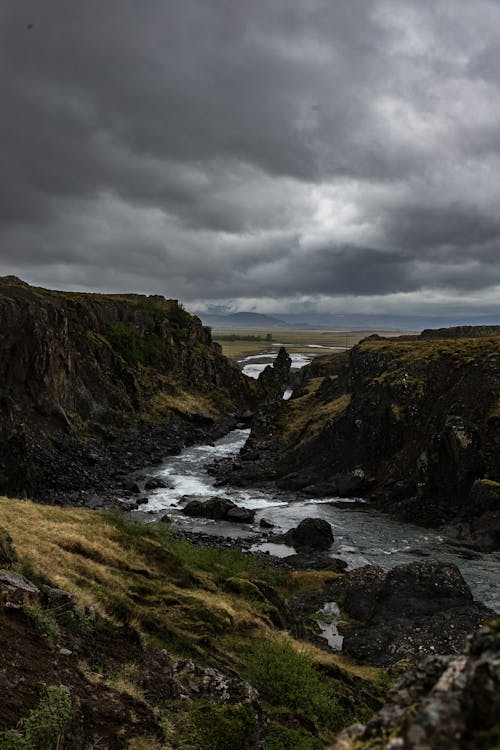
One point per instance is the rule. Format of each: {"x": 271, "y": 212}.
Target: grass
{"x": 405, "y": 352}
{"x": 220, "y": 607}
{"x": 302, "y": 418}
{"x": 43, "y": 727}
{"x": 236, "y": 343}
{"x": 289, "y": 677}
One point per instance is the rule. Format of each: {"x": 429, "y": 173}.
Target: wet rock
{"x": 349, "y": 484}
{"x": 264, "y": 523}
{"x": 316, "y": 561}
{"x": 240, "y": 515}
{"x": 321, "y": 489}
{"x": 311, "y": 533}
{"x": 156, "y": 483}
{"x": 131, "y": 487}
{"x": 17, "y": 590}
{"x": 216, "y": 508}
{"x": 295, "y": 481}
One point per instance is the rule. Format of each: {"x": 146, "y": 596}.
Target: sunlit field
{"x": 243, "y": 342}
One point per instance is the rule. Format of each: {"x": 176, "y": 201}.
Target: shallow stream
{"x": 362, "y": 535}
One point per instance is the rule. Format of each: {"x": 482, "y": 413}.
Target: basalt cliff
{"x": 412, "y": 423}
{"x": 92, "y": 386}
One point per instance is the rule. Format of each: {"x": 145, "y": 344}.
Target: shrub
{"x": 43, "y": 728}
{"x": 289, "y": 678}
{"x": 281, "y": 738}
{"x": 202, "y": 725}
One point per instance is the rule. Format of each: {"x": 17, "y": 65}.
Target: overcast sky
{"x": 337, "y": 155}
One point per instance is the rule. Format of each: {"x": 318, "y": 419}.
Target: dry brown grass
{"x": 305, "y": 417}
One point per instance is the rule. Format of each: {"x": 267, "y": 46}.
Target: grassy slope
{"x": 220, "y": 608}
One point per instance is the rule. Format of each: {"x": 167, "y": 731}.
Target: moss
{"x": 398, "y": 412}
{"x": 280, "y": 737}
{"x": 201, "y": 725}
{"x": 490, "y": 483}
{"x": 303, "y": 418}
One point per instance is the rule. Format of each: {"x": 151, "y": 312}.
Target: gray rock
{"x": 15, "y": 589}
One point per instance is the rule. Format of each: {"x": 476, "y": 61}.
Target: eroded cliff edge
{"x": 412, "y": 423}
{"x": 94, "y": 385}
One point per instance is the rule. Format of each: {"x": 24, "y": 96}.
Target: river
{"x": 362, "y": 535}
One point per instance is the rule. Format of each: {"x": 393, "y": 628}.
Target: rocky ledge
{"x": 443, "y": 703}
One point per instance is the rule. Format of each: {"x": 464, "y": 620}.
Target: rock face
{"x": 87, "y": 381}
{"x": 311, "y": 534}
{"x": 415, "y": 609}
{"x": 444, "y": 703}
{"x": 17, "y": 590}
{"x": 413, "y": 423}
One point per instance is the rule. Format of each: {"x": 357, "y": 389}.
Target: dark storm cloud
{"x": 243, "y": 150}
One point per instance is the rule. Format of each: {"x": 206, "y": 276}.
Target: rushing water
{"x": 362, "y": 535}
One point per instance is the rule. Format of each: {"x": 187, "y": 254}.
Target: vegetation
{"x": 202, "y": 725}
{"x": 43, "y": 727}
{"x": 147, "y": 349}
{"x": 302, "y": 418}
{"x": 220, "y": 607}
{"x": 42, "y": 620}
{"x": 288, "y": 677}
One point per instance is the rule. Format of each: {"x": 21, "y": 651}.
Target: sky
{"x": 269, "y": 155}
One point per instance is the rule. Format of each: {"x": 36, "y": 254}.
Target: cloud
{"x": 340, "y": 153}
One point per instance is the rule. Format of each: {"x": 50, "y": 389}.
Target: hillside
{"x": 94, "y": 385}
{"x": 413, "y": 424}
{"x": 122, "y": 637}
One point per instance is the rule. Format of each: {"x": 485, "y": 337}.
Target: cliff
{"x": 92, "y": 384}
{"x": 412, "y": 423}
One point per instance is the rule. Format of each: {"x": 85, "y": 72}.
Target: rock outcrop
{"x": 412, "y": 423}
{"x": 413, "y": 610}
{"x": 443, "y": 703}
{"x": 93, "y": 384}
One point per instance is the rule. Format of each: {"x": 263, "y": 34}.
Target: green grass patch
{"x": 42, "y": 621}
{"x": 282, "y": 738}
{"x": 202, "y": 725}
{"x": 288, "y": 677}
{"x": 43, "y": 727}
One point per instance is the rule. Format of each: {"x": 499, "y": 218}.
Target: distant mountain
{"x": 242, "y": 320}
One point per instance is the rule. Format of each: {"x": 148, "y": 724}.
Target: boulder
{"x": 240, "y": 515}
{"x": 264, "y": 523}
{"x": 216, "y": 508}
{"x": 17, "y": 590}
{"x": 156, "y": 483}
{"x": 311, "y": 533}
{"x": 441, "y": 703}
{"x": 411, "y": 611}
